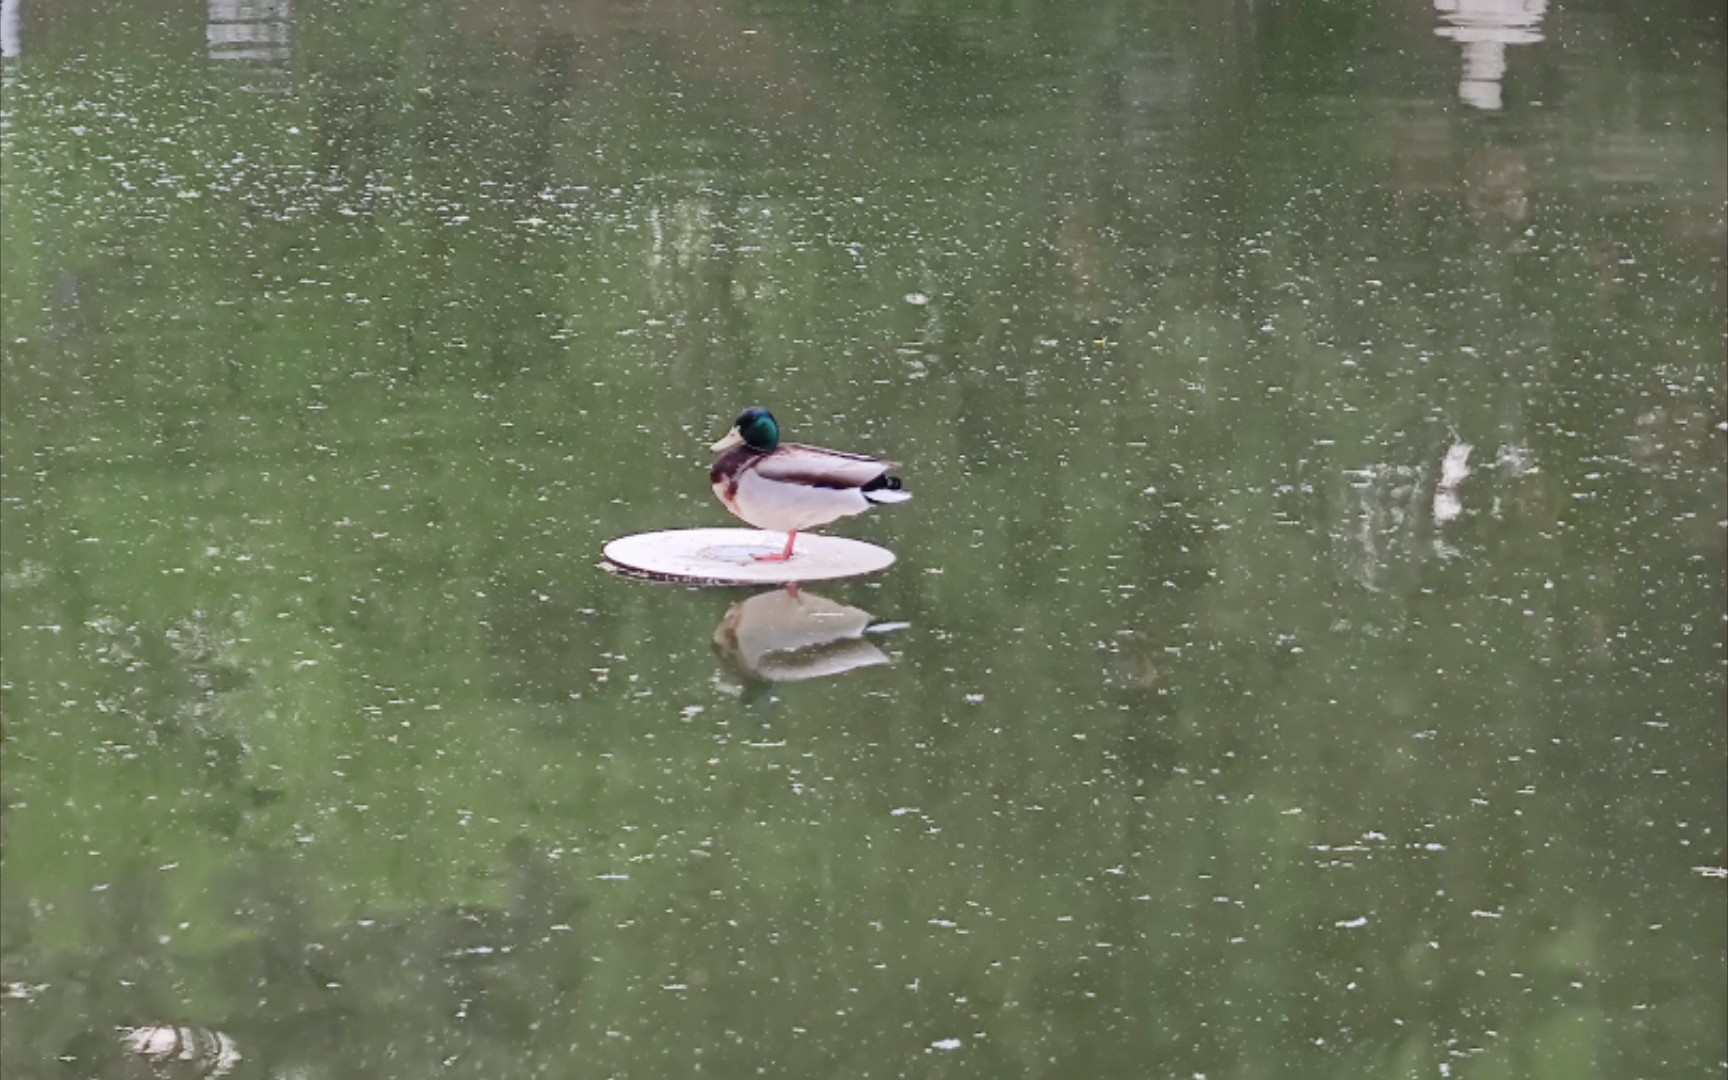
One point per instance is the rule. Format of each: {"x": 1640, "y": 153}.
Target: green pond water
{"x": 1305, "y": 654}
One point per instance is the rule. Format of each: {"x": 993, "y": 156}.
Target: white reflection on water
{"x": 1454, "y": 467}
{"x": 1483, "y": 28}
{"x": 10, "y": 43}
{"x": 11, "y": 46}
{"x": 207, "y": 1053}
{"x": 255, "y": 31}
{"x": 1384, "y": 523}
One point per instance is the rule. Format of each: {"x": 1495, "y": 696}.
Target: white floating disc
{"x": 728, "y": 556}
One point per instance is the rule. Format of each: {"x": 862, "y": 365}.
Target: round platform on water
{"x": 728, "y": 557}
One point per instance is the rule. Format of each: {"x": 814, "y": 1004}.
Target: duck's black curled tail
{"x": 885, "y": 489}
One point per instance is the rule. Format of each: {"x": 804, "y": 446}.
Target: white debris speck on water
{"x": 946, "y": 1044}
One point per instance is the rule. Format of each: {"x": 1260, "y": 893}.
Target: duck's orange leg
{"x": 784, "y": 555}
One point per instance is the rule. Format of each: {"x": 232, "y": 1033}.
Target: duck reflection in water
{"x": 788, "y": 635}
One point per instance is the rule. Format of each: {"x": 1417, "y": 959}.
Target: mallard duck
{"x": 785, "y": 487}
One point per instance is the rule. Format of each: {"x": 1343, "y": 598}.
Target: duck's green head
{"x": 755, "y": 428}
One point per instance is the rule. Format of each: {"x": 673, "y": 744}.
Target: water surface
{"x": 1306, "y": 651}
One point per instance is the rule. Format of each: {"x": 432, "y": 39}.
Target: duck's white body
{"x": 795, "y": 488}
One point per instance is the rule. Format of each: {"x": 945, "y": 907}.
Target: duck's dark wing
{"x": 815, "y": 467}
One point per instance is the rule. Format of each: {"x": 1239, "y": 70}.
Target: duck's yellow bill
{"x": 733, "y": 438}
